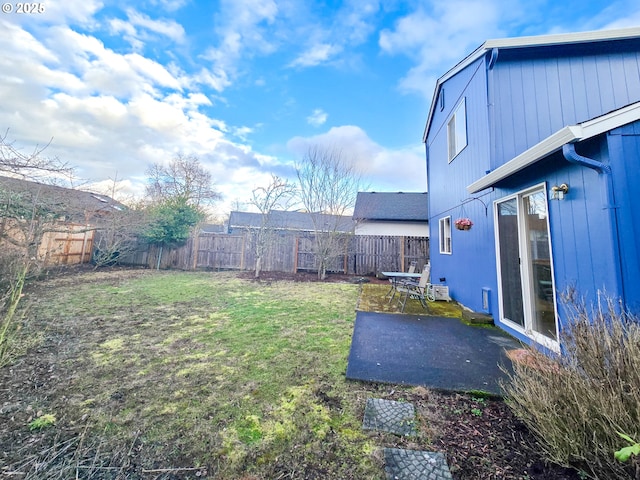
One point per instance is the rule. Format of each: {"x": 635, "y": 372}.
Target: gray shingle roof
{"x": 76, "y": 205}
{"x": 286, "y": 220}
{"x": 391, "y": 206}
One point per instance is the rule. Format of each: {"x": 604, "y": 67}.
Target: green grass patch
{"x": 374, "y": 299}
{"x": 210, "y": 369}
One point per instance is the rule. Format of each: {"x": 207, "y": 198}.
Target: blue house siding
{"x": 624, "y": 147}
{"x": 580, "y": 245}
{"x": 520, "y": 97}
{"x": 447, "y": 182}
{"x": 535, "y": 97}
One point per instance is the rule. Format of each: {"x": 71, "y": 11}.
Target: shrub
{"x": 577, "y": 402}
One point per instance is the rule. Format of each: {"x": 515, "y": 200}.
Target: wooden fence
{"x": 362, "y": 255}
{"x": 60, "y": 244}
{"x": 71, "y": 244}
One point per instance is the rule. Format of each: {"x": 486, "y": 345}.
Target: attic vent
{"x": 100, "y": 199}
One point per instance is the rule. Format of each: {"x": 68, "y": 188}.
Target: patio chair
{"x": 422, "y": 290}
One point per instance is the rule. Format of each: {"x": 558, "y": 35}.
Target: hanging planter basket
{"x": 463, "y": 223}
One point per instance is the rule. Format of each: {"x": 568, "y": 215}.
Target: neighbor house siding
{"x": 393, "y": 229}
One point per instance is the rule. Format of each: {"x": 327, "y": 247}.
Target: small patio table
{"x": 398, "y": 278}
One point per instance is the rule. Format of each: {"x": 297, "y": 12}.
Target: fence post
{"x": 346, "y": 257}
{"x": 402, "y": 239}
{"x": 243, "y": 251}
{"x": 84, "y": 247}
{"x": 296, "y": 247}
{"x": 194, "y": 252}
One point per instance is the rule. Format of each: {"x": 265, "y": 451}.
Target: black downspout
{"x": 606, "y": 179}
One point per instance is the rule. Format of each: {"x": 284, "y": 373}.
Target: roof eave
{"x": 531, "y": 41}
{"x": 553, "y": 143}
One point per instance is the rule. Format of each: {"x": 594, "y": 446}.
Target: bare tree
{"x": 184, "y": 177}
{"x": 118, "y": 234}
{"x": 32, "y": 165}
{"x": 277, "y": 195}
{"x": 328, "y": 186}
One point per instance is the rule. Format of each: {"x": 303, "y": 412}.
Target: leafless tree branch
{"x": 328, "y": 186}
{"x": 31, "y": 166}
{"x": 184, "y": 177}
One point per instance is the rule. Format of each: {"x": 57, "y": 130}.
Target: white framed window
{"x": 457, "y": 130}
{"x": 445, "y": 235}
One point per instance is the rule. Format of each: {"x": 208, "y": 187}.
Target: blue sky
{"x": 248, "y": 85}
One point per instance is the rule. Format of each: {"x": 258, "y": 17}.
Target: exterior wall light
{"x": 559, "y": 191}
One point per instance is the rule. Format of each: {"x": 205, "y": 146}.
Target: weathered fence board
{"x": 71, "y": 244}
{"x": 363, "y": 255}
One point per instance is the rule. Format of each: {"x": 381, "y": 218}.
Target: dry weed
{"x": 578, "y": 402}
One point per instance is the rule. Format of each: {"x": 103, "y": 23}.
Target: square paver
{"x": 415, "y": 465}
{"x": 390, "y": 416}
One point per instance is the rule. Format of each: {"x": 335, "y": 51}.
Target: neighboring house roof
{"x": 555, "y": 142}
{"x": 76, "y": 205}
{"x": 494, "y": 46}
{"x": 245, "y": 220}
{"x": 286, "y": 220}
{"x": 211, "y": 228}
{"x": 391, "y": 206}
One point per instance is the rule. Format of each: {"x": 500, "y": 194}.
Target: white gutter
{"x": 555, "y": 142}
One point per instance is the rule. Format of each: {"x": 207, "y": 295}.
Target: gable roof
{"x": 76, "y": 205}
{"x": 392, "y": 206}
{"x": 289, "y": 220}
{"x": 495, "y": 45}
{"x": 553, "y": 143}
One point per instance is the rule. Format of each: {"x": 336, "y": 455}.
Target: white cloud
{"x": 68, "y": 12}
{"x": 383, "y": 168}
{"x": 316, "y": 55}
{"x": 240, "y": 26}
{"x": 170, "y": 5}
{"x": 167, "y": 28}
{"x": 317, "y": 118}
{"x": 140, "y": 28}
{"x": 109, "y": 112}
{"x": 437, "y": 38}
{"x": 326, "y": 42}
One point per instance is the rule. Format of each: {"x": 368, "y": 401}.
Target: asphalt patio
{"x": 437, "y": 352}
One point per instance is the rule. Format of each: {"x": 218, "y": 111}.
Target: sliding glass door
{"x": 527, "y": 296}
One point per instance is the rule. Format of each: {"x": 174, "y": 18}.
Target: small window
{"x": 457, "y": 130}
{"x": 445, "y": 235}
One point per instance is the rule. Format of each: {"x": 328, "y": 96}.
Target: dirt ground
{"x": 480, "y": 437}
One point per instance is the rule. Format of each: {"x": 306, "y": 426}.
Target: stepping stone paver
{"x": 415, "y": 465}
{"x": 390, "y": 416}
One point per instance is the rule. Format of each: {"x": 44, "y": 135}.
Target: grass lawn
{"x": 137, "y": 374}
{"x": 190, "y": 374}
